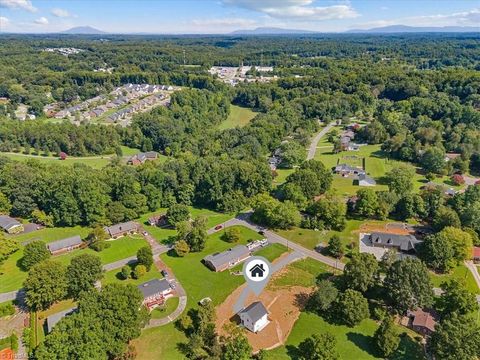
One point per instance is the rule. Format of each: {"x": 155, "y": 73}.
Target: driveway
{"x": 244, "y": 220}
{"x": 313, "y": 146}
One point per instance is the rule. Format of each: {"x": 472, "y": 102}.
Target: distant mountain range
{"x": 83, "y": 30}
{"x": 379, "y": 30}
{"x": 270, "y": 31}
{"x": 416, "y": 29}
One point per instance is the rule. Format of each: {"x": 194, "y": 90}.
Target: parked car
{"x": 218, "y": 227}
{"x": 261, "y": 232}
{"x": 165, "y": 273}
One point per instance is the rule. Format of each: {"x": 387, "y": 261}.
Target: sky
{"x": 223, "y": 16}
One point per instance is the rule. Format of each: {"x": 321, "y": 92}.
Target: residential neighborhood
{"x": 239, "y": 180}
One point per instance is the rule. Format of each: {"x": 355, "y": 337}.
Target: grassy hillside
{"x": 238, "y": 117}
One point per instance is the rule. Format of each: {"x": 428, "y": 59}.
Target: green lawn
{"x": 460, "y": 272}
{"x": 352, "y": 343}
{"x": 199, "y": 282}
{"x": 282, "y": 175}
{"x": 163, "y": 234}
{"x": 272, "y": 251}
{"x": 113, "y": 276}
{"x": 12, "y": 276}
{"x": 167, "y": 309}
{"x": 311, "y": 238}
{"x": 301, "y": 273}
{"x": 238, "y": 117}
{"x": 95, "y": 161}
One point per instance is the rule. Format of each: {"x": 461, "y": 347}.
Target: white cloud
{"x": 4, "y": 22}
{"x": 42, "y": 21}
{"x": 224, "y": 22}
{"x": 466, "y": 18}
{"x": 18, "y": 4}
{"x": 60, "y": 12}
{"x": 299, "y": 10}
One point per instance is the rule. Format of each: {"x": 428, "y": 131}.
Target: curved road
{"x": 313, "y": 146}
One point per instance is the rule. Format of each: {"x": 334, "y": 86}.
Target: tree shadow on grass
{"x": 409, "y": 349}
{"x": 363, "y": 342}
{"x": 293, "y": 352}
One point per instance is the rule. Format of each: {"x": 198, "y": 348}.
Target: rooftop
{"x": 227, "y": 256}
{"x": 64, "y": 243}
{"x": 121, "y": 228}
{"x": 153, "y": 287}
{"x": 6, "y": 222}
{"x": 404, "y": 242}
{"x": 255, "y": 311}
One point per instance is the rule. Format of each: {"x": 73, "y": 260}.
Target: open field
{"x": 12, "y": 275}
{"x": 238, "y": 117}
{"x": 96, "y": 162}
{"x": 169, "y": 307}
{"x": 199, "y": 282}
{"x": 352, "y": 343}
{"x": 376, "y": 165}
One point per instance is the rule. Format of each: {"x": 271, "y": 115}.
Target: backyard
{"x": 12, "y": 275}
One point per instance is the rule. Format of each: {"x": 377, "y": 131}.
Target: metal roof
{"x": 255, "y": 311}
{"x": 6, "y": 222}
{"x": 154, "y": 287}
{"x": 64, "y": 243}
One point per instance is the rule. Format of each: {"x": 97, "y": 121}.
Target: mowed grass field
{"x": 352, "y": 343}
{"x": 96, "y": 162}
{"x": 199, "y": 282}
{"x": 12, "y": 275}
{"x": 376, "y": 165}
{"x": 239, "y": 117}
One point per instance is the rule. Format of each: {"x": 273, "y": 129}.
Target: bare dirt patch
{"x": 390, "y": 228}
{"x": 284, "y": 306}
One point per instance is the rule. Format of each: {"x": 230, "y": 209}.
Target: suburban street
{"x": 243, "y": 220}
{"x": 313, "y": 146}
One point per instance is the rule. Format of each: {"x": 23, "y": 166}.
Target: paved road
{"x": 316, "y": 139}
{"x": 243, "y": 220}
{"x": 157, "y": 250}
{"x": 473, "y": 269}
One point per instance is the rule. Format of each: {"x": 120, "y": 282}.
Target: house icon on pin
{"x": 257, "y": 270}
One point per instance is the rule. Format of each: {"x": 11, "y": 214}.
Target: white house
{"x": 254, "y": 317}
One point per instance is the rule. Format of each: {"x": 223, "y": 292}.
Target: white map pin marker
{"x": 257, "y": 271}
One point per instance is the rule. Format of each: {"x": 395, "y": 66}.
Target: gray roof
{"x": 348, "y": 168}
{"x": 52, "y": 320}
{"x": 219, "y": 259}
{"x": 366, "y": 178}
{"x": 6, "y": 222}
{"x": 121, "y": 228}
{"x": 153, "y": 287}
{"x": 64, "y": 243}
{"x": 255, "y": 311}
{"x": 403, "y": 242}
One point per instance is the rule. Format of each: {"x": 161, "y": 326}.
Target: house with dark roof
{"x": 423, "y": 321}
{"x": 227, "y": 259}
{"x": 155, "y": 292}
{"x": 53, "y": 319}
{"x": 10, "y": 225}
{"x": 65, "y": 245}
{"x": 403, "y": 243}
{"x": 123, "y": 229}
{"x": 254, "y": 317}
